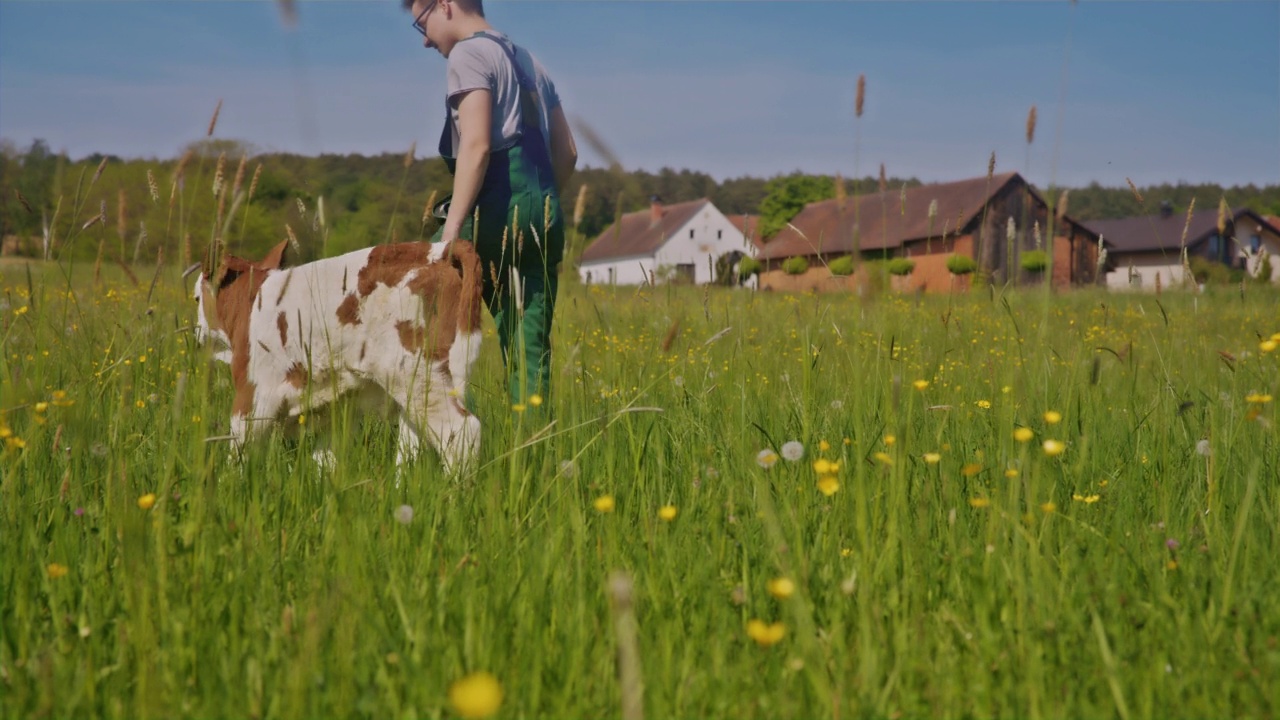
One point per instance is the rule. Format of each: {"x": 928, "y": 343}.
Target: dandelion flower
{"x": 535, "y": 400}
{"x": 1011, "y": 473}
{"x": 792, "y": 451}
{"x": 765, "y": 635}
{"x": 604, "y": 504}
{"x": 1267, "y": 346}
{"x": 766, "y": 458}
{"x": 475, "y": 696}
{"x": 979, "y": 502}
{"x": 889, "y": 440}
{"x": 883, "y": 458}
{"x": 41, "y": 407}
{"x": 519, "y": 407}
{"x": 1052, "y": 417}
{"x": 971, "y": 469}
{"x": 984, "y": 404}
{"x": 1204, "y": 448}
{"x": 823, "y": 446}
{"x": 147, "y": 501}
{"x": 920, "y": 384}
{"x": 1048, "y": 507}
{"x": 1023, "y": 434}
{"x": 1172, "y": 564}
{"x": 1054, "y": 448}
{"x": 404, "y": 514}
{"x": 56, "y": 570}
{"x": 933, "y": 458}
{"x": 1258, "y": 399}
{"x": 828, "y": 485}
{"x": 667, "y": 512}
{"x": 823, "y": 466}
{"x": 1086, "y": 499}
{"x": 781, "y": 588}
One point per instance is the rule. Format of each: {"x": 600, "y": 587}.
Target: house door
{"x": 686, "y": 274}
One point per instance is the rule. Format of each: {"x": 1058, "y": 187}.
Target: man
{"x": 510, "y": 150}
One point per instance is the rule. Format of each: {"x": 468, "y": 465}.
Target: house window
{"x": 720, "y": 235}
{"x": 690, "y": 234}
{"x": 613, "y": 276}
{"x": 686, "y": 274}
{"x": 1255, "y": 242}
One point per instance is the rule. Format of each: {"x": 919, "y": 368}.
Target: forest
{"x": 129, "y": 210}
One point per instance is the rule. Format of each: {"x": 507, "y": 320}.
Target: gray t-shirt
{"x": 478, "y": 63}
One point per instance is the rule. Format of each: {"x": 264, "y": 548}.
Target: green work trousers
{"x": 517, "y": 225}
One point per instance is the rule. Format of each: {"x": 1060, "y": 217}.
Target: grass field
{"x": 1008, "y": 504}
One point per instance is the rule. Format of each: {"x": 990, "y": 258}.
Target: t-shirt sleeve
{"x": 469, "y": 69}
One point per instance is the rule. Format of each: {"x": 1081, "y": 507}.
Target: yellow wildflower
{"x": 667, "y": 512}
{"x": 933, "y": 458}
{"x": 535, "y": 400}
{"x": 781, "y": 588}
{"x": 984, "y": 404}
{"x": 1086, "y": 499}
{"x": 1257, "y": 398}
{"x": 41, "y": 407}
{"x": 920, "y": 384}
{"x": 1048, "y": 507}
{"x": 971, "y": 469}
{"x": 604, "y": 503}
{"x": 828, "y": 485}
{"x": 979, "y": 502}
{"x": 1053, "y": 448}
{"x": 890, "y": 440}
{"x": 1023, "y": 434}
{"x": 475, "y": 696}
{"x": 1011, "y": 473}
{"x": 147, "y": 501}
{"x": 56, "y": 571}
{"x": 765, "y": 635}
{"x": 883, "y": 458}
{"x": 1052, "y": 417}
{"x": 1268, "y": 346}
{"x": 823, "y": 445}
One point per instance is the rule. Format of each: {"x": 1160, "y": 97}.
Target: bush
{"x": 1210, "y": 272}
{"x": 1035, "y": 261}
{"x": 841, "y": 266}
{"x": 795, "y": 266}
{"x": 961, "y": 264}
{"x": 748, "y": 266}
{"x": 900, "y": 266}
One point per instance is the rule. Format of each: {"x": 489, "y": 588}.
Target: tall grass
{"x": 956, "y": 570}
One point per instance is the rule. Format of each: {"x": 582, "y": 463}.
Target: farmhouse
{"x": 682, "y": 242}
{"x": 1144, "y": 251}
{"x": 993, "y": 220}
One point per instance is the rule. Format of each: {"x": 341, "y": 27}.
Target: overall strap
{"x": 529, "y": 100}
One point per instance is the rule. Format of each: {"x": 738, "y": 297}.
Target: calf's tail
{"x": 463, "y": 257}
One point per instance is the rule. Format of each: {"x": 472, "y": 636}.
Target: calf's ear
{"x": 275, "y": 257}
{"x": 232, "y": 268}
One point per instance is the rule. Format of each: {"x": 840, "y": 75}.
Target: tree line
{"x": 132, "y": 210}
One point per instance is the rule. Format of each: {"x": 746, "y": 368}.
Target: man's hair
{"x": 472, "y": 6}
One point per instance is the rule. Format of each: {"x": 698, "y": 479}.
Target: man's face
{"x": 422, "y": 12}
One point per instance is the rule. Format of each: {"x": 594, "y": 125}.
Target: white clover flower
{"x": 793, "y": 451}
{"x": 568, "y": 469}
{"x": 766, "y": 458}
{"x": 404, "y": 514}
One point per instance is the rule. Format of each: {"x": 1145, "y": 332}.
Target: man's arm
{"x": 475, "y": 118}
{"x": 564, "y": 152}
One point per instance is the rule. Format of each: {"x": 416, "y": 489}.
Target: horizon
{"x": 738, "y": 89}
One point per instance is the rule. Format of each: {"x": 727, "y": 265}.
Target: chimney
{"x": 655, "y": 210}
{"x": 1166, "y": 209}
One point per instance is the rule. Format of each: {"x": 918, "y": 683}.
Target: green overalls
{"x": 517, "y": 224}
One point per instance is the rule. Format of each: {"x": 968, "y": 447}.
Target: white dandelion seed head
{"x": 678, "y": 381}
{"x": 404, "y": 514}
{"x": 1203, "y": 448}
{"x": 568, "y": 468}
{"x": 793, "y": 450}
{"x": 837, "y": 404}
{"x": 766, "y": 458}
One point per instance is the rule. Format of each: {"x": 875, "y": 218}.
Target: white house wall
{"x": 1142, "y": 273}
{"x": 709, "y": 234}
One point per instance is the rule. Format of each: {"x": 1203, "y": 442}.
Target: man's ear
{"x": 275, "y": 257}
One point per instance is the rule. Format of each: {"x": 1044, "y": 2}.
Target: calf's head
{"x": 214, "y": 307}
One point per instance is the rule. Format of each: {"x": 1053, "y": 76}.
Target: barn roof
{"x": 886, "y": 219}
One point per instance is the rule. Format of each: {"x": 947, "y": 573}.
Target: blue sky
{"x": 1154, "y": 91}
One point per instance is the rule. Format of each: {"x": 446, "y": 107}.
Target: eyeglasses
{"x": 419, "y": 23}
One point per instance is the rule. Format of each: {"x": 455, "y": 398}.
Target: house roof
{"x": 1158, "y": 232}
{"x": 749, "y": 226}
{"x": 636, "y": 233}
{"x": 887, "y": 219}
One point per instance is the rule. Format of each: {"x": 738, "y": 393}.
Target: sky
{"x": 1148, "y": 90}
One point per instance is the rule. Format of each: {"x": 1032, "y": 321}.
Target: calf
{"x": 397, "y": 320}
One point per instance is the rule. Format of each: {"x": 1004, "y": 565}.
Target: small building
{"x": 689, "y": 242}
{"x": 1144, "y": 251}
{"x": 994, "y": 220}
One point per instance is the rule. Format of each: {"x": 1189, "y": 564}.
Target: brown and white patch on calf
{"x": 408, "y": 326}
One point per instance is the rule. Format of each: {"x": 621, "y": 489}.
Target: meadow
{"x": 1005, "y": 503}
